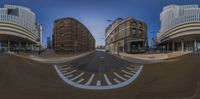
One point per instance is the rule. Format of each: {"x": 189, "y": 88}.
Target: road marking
{"x": 134, "y": 66}
{"x": 127, "y": 76}
{"x": 98, "y": 83}
{"x": 129, "y": 68}
{"x": 90, "y": 80}
{"x": 69, "y": 76}
{"x": 107, "y": 80}
{"x": 119, "y": 76}
{"x": 65, "y": 68}
{"x": 117, "y": 81}
{"x": 81, "y": 80}
{"x": 126, "y": 72}
{"x": 133, "y": 71}
{"x": 64, "y": 65}
{"x": 77, "y": 76}
{"x": 101, "y": 57}
{"x": 70, "y": 72}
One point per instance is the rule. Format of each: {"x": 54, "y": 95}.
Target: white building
{"x": 18, "y": 29}
{"x": 180, "y": 28}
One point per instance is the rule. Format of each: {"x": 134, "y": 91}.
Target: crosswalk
{"x": 98, "y": 81}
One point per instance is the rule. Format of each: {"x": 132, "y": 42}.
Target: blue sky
{"x": 94, "y": 13}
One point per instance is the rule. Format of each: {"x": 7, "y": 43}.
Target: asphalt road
{"x": 99, "y": 62}
{"x": 22, "y": 78}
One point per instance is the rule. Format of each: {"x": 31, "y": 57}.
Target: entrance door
{"x": 198, "y": 46}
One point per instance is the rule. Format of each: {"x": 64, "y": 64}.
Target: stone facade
{"x": 71, "y": 36}
{"x": 126, "y": 35}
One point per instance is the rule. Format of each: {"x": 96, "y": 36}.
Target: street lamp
{"x": 75, "y": 45}
{"x": 154, "y": 39}
{"x": 118, "y": 48}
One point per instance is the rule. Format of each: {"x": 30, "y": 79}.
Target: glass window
{"x": 62, "y": 34}
{"x": 62, "y": 45}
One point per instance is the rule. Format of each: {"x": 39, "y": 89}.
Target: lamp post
{"x": 75, "y": 45}
{"x": 118, "y": 48}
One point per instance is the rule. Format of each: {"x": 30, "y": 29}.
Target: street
{"x": 22, "y": 78}
{"x": 98, "y": 71}
{"x": 99, "y": 62}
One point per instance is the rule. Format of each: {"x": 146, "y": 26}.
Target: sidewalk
{"x": 145, "y": 58}
{"x": 53, "y": 59}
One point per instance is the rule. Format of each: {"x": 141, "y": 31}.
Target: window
{"x": 140, "y": 25}
{"x": 62, "y": 46}
{"x": 134, "y": 31}
{"x": 134, "y": 24}
{"x": 62, "y": 34}
{"x": 62, "y": 27}
{"x": 139, "y": 33}
{"x": 14, "y": 12}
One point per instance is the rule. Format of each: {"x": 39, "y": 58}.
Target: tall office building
{"x": 71, "y": 36}
{"x": 19, "y": 30}
{"x": 126, "y": 35}
{"x": 180, "y": 28}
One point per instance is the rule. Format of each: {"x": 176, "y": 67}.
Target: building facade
{"x": 180, "y": 28}
{"x": 19, "y": 30}
{"x": 71, "y": 36}
{"x": 126, "y": 35}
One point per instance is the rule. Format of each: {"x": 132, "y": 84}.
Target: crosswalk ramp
{"x": 98, "y": 81}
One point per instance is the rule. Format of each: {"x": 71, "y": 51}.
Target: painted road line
{"x": 90, "y": 80}
{"x": 65, "y": 68}
{"x": 134, "y": 66}
{"x": 107, "y": 80}
{"x": 113, "y": 86}
{"x": 119, "y": 76}
{"x": 98, "y": 83}
{"x": 69, "y": 76}
{"x": 81, "y": 80}
{"x": 78, "y": 76}
{"x": 65, "y": 65}
{"x": 117, "y": 81}
{"x": 127, "y": 76}
{"x": 127, "y": 72}
{"x": 129, "y": 68}
{"x": 70, "y": 72}
{"x": 133, "y": 71}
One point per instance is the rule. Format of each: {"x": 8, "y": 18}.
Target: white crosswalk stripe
{"x": 117, "y": 81}
{"x": 119, "y": 76}
{"x": 70, "y": 72}
{"x": 81, "y": 80}
{"x": 78, "y": 76}
{"x": 65, "y": 68}
{"x": 127, "y": 76}
{"x": 130, "y": 68}
{"x": 90, "y": 80}
{"x": 98, "y": 83}
{"x": 107, "y": 80}
{"x": 69, "y": 76}
{"x": 127, "y": 72}
{"x": 64, "y": 65}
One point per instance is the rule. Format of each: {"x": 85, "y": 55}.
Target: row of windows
{"x": 180, "y": 20}
{"x": 17, "y": 20}
{"x": 136, "y": 33}
{"x": 124, "y": 26}
{"x": 18, "y": 16}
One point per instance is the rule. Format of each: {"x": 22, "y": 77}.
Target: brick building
{"x": 126, "y": 35}
{"x": 71, "y": 36}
